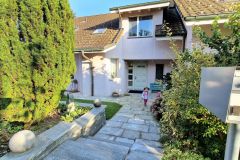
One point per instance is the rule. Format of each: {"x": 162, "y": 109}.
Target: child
{"x": 145, "y": 95}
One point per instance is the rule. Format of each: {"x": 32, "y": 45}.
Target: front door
{"x": 140, "y": 75}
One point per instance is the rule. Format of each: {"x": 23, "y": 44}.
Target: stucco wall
{"x": 147, "y": 47}
{"x": 152, "y": 69}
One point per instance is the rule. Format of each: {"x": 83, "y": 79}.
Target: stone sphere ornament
{"x": 97, "y": 103}
{"x": 22, "y": 141}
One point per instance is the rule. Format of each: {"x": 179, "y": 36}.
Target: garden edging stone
{"x": 86, "y": 125}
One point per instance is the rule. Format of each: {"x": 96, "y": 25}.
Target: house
{"x": 129, "y": 48}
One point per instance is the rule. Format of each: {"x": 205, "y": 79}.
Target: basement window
{"x": 100, "y": 31}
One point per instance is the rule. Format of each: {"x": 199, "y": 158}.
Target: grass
{"x": 111, "y": 109}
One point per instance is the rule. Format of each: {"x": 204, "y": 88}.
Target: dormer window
{"x": 100, "y": 31}
{"x": 140, "y": 26}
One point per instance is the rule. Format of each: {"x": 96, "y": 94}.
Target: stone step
{"x": 88, "y": 149}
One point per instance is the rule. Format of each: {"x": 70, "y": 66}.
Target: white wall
{"x": 152, "y": 69}
{"x": 148, "y": 47}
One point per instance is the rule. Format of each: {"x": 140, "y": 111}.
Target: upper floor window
{"x": 140, "y": 26}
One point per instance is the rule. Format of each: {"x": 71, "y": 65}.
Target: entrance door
{"x": 140, "y": 75}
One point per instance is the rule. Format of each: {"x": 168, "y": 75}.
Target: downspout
{"x": 91, "y": 72}
{"x": 184, "y": 43}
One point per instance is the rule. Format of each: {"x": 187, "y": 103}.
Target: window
{"x": 145, "y": 26}
{"x": 140, "y": 26}
{"x": 114, "y": 68}
{"x": 159, "y": 71}
{"x": 133, "y": 27}
{"x": 99, "y": 31}
{"x": 130, "y": 75}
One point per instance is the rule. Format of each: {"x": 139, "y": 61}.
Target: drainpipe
{"x": 184, "y": 43}
{"x": 91, "y": 72}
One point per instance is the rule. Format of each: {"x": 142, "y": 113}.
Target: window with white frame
{"x": 140, "y": 26}
{"x": 114, "y": 68}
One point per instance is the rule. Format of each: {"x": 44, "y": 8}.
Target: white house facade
{"x": 129, "y": 48}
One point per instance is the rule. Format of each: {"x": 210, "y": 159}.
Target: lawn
{"x": 111, "y": 109}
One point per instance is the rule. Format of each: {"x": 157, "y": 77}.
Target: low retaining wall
{"x": 86, "y": 125}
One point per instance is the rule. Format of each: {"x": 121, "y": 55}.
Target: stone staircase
{"x": 92, "y": 148}
{"x": 132, "y": 134}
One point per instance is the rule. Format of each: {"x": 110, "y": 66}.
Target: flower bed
{"x": 62, "y": 114}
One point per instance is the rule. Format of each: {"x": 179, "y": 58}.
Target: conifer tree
{"x": 41, "y": 59}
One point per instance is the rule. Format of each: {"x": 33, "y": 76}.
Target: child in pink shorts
{"x": 145, "y": 95}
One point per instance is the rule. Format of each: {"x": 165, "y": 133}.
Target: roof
{"x": 172, "y": 20}
{"x": 204, "y": 10}
{"x": 139, "y": 5}
{"x": 86, "y": 40}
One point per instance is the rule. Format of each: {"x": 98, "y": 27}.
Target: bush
{"x": 176, "y": 154}
{"x": 185, "y": 123}
{"x": 228, "y": 46}
{"x": 36, "y": 57}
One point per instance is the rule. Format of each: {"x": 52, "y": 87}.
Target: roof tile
{"x": 86, "y": 40}
{"x": 196, "y": 8}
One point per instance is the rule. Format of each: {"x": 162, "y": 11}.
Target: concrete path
{"x": 132, "y": 134}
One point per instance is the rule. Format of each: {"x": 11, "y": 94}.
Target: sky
{"x": 93, "y": 7}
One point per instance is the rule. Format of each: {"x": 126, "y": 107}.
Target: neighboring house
{"x": 129, "y": 48}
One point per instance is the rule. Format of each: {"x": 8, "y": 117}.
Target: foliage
{"x": 36, "y": 57}
{"x": 167, "y": 81}
{"x": 228, "y": 46}
{"x": 185, "y": 123}
{"x": 111, "y": 107}
{"x": 70, "y": 116}
{"x": 176, "y": 154}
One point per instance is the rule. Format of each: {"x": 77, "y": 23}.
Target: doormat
{"x": 135, "y": 91}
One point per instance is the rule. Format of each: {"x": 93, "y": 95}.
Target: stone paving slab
{"x": 136, "y": 121}
{"x": 124, "y": 140}
{"x": 88, "y": 149}
{"x": 150, "y": 136}
{"x": 131, "y": 134}
{"x": 142, "y": 156}
{"x": 114, "y": 124}
{"x": 154, "y": 129}
{"x": 146, "y": 148}
{"x": 136, "y": 127}
{"x": 152, "y": 123}
{"x": 104, "y": 136}
{"x": 111, "y": 131}
{"x": 145, "y": 117}
{"x": 120, "y": 118}
{"x": 149, "y": 143}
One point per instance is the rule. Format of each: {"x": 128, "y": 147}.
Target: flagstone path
{"x": 132, "y": 134}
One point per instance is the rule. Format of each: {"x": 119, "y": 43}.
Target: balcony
{"x": 173, "y": 26}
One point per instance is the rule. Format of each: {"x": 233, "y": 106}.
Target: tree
{"x": 37, "y": 57}
{"x": 187, "y": 125}
{"x": 228, "y": 46}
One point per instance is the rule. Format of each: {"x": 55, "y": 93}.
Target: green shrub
{"x": 228, "y": 46}
{"x": 36, "y": 57}
{"x": 186, "y": 124}
{"x": 176, "y": 154}
{"x": 69, "y": 117}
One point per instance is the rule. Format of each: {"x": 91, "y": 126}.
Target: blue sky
{"x": 93, "y": 7}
